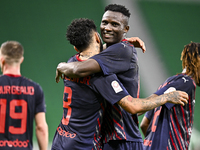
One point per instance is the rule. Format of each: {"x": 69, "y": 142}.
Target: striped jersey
{"x": 121, "y": 59}
{"x": 171, "y": 124}
{"x": 20, "y": 100}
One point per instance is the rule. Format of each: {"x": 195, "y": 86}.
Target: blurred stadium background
{"x": 165, "y": 26}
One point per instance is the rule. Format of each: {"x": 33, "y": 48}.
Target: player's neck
{"x": 15, "y": 70}
{"x": 89, "y": 52}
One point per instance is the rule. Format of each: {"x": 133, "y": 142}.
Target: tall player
{"x": 170, "y": 126}
{"x": 120, "y": 58}
{"x": 81, "y": 95}
{"x": 21, "y": 100}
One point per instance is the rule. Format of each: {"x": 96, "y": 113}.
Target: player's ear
{"x": 76, "y": 49}
{"x": 2, "y": 60}
{"x": 97, "y": 37}
{"x": 2, "y": 63}
{"x": 126, "y": 29}
{"x": 22, "y": 59}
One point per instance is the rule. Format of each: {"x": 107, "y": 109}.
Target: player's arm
{"x": 137, "y": 105}
{"x": 77, "y": 69}
{"x": 137, "y": 42}
{"x": 144, "y": 125}
{"x": 90, "y": 66}
{"x": 41, "y": 130}
{"x": 151, "y": 96}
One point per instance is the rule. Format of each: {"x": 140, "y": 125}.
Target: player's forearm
{"x": 144, "y": 130}
{"x": 42, "y": 136}
{"x": 144, "y": 125}
{"x": 137, "y": 105}
{"x": 68, "y": 69}
{"x": 79, "y": 69}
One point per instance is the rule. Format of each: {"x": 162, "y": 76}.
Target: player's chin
{"x": 108, "y": 40}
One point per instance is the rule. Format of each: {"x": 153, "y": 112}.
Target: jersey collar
{"x": 12, "y": 75}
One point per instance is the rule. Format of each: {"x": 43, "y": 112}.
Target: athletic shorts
{"x": 123, "y": 145}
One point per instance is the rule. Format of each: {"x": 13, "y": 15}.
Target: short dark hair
{"x": 118, "y": 8}
{"x": 13, "y": 51}
{"x": 79, "y": 32}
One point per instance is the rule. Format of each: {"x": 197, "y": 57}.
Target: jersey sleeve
{"x": 110, "y": 88}
{"x": 114, "y": 59}
{"x": 39, "y": 100}
{"x": 182, "y": 84}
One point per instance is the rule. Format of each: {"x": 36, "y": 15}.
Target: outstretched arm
{"x": 137, "y": 105}
{"x": 77, "y": 69}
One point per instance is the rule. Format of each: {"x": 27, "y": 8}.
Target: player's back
{"x": 18, "y": 105}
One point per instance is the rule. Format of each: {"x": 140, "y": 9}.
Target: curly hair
{"x": 13, "y": 51}
{"x": 79, "y": 32}
{"x": 190, "y": 60}
{"x": 118, "y": 8}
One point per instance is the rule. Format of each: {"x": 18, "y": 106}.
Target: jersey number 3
{"x": 14, "y": 115}
{"x": 66, "y": 118}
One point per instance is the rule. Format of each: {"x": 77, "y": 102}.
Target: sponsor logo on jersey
{"x": 123, "y": 44}
{"x": 66, "y": 133}
{"x": 16, "y": 143}
{"x": 115, "y": 85}
{"x": 171, "y": 89}
{"x": 184, "y": 79}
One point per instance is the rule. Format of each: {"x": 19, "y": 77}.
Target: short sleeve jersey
{"x": 171, "y": 124}
{"x": 121, "y": 59}
{"x": 20, "y": 100}
{"x": 83, "y": 109}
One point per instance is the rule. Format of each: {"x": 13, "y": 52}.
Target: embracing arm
{"x": 77, "y": 69}
{"x": 137, "y": 42}
{"x": 136, "y": 105}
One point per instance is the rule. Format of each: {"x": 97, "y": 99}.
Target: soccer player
{"x": 82, "y": 116}
{"x": 170, "y": 126}
{"x": 119, "y": 58}
{"x": 21, "y": 100}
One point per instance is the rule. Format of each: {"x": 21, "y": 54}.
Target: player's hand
{"x": 178, "y": 97}
{"x": 58, "y": 76}
{"x": 137, "y": 42}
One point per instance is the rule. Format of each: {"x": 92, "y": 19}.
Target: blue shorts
{"x": 123, "y": 145}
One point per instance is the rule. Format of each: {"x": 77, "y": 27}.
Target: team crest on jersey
{"x": 171, "y": 89}
{"x": 115, "y": 85}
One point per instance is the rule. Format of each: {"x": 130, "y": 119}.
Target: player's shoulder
{"x": 30, "y": 82}
{"x": 123, "y": 44}
{"x": 121, "y": 49}
{"x": 184, "y": 78}
{"x": 73, "y": 58}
